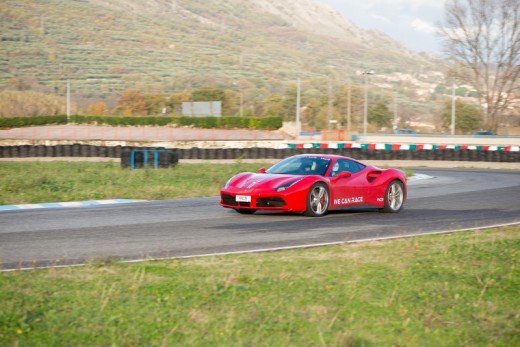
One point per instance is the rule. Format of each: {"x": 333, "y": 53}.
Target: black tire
{"x": 318, "y": 200}
{"x": 394, "y": 197}
{"x": 245, "y": 210}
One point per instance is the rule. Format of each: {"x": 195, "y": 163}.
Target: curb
{"x": 67, "y": 204}
{"x": 399, "y": 146}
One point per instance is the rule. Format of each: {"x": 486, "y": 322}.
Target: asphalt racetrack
{"x": 447, "y": 200}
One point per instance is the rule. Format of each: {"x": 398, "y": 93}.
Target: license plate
{"x": 243, "y": 198}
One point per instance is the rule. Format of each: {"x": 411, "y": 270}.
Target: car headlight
{"x": 287, "y": 185}
{"x": 227, "y": 183}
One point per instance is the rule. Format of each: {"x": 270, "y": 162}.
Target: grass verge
{"x": 443, "y": 290}
{"x": 37, "y": 182}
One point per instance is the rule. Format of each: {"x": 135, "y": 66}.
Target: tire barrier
{"x": 358, "y": 153}
{"x": 163, "y": 157}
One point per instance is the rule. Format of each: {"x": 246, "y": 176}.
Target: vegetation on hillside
{"x": 169, "y": 48}
{"x": 127, "y": 57}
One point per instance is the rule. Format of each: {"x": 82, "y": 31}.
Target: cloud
{"x": 423, "y": 26}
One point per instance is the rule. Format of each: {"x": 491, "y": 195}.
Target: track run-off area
{"x": 443, "y": 200}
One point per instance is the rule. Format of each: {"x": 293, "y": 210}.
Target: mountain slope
{"x": 106, "y": 46}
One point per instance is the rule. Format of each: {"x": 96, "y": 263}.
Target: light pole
{"x": 298, "y": 92}
{"x": 349, "y": 107}
{"x": 453, "y": 109}
{"x": 365, "y": 112}
{"x": 395, "y": 111}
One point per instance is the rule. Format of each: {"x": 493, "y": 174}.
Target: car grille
{"x": 229, "y": 200}
{"x": 270, "y": 202}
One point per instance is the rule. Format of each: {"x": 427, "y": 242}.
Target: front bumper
{"x": 257, "y": 202}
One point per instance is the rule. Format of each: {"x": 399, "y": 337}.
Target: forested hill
{"x": 106, "y": 46}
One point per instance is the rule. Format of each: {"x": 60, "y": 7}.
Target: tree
{"x": 482, "y": 38}
{"x": 29, "y": 103}
{"x": 274, "y": 106}
{"x": 174, "y": 102}
{"x": 289, "y": 103}
{"x": 380, "y": 115}
{"x": 131, "y": 103}
{"x": 98, "y": 109}
{"x": 231, "y": 102}
{"x": 467, "y": 117}
{"x": 208, "y": 94}
{"x": 154, "y": 103}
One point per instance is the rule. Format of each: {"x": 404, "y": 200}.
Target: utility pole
{"x": 453, "y": 109}
{"x": 329, "y": 110}
{"x": 349, "y": 108}
{"x": 298, "y": 126}
{"x": 395, "y": 109}
{"x": 365, "y": 113}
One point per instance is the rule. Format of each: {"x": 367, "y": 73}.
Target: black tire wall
{"x": 168, "y": 157}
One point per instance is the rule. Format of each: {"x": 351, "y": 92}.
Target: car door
{"x": 347, "y": 183}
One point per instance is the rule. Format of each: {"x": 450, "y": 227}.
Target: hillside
{"x": 106, "y": 46}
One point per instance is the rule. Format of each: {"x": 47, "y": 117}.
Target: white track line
{"x": 275, "y": 249}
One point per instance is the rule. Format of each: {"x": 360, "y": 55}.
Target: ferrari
{"x": 314, "y": 184}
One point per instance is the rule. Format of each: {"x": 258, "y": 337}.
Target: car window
{"x": 342, "y": 165}
{"x": 301, "y": 166}
{"x": 355, "y": 166}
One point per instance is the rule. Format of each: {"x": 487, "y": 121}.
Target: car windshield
{"x": 304, "y": 165}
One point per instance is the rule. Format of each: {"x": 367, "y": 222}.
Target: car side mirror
{"x": 261, "y": 170}
{"x": 343, "y": 174}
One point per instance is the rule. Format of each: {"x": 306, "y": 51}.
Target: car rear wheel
{"x": 394, "y": 197}
{"x": 245, "y": 211}
{"x": 317, "y": 200}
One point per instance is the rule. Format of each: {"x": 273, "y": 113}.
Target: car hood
{"x": 251, "y": 182}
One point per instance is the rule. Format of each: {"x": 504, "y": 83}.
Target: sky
{"x": 412, "y": 22}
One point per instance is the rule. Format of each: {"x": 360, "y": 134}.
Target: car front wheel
{"x": 317, "y": 200}
{"x": 394, "y": 197}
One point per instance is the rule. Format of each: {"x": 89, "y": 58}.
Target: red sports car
{"x": 314, "y": 184}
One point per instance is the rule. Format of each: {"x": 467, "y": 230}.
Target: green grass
{"x": 37, "y": 182}
{"x": 75, "y": 181}
{"x": 444, "y": 290}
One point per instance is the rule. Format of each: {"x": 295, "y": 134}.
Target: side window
{"x": 339, "y": 166}
{"x": 355, "y": 167}
{"x": 345, "y": 165}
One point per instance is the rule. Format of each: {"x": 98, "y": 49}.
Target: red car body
{"x": 327, "y": 182}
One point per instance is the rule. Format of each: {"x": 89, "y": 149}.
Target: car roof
{"x": 329, "y": 156}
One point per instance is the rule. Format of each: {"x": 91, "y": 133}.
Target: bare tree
{"x": 482, "y": 39}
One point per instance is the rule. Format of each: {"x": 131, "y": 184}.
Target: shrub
{"x": 16, "y": 122}
{"x": 198, "y": 122}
